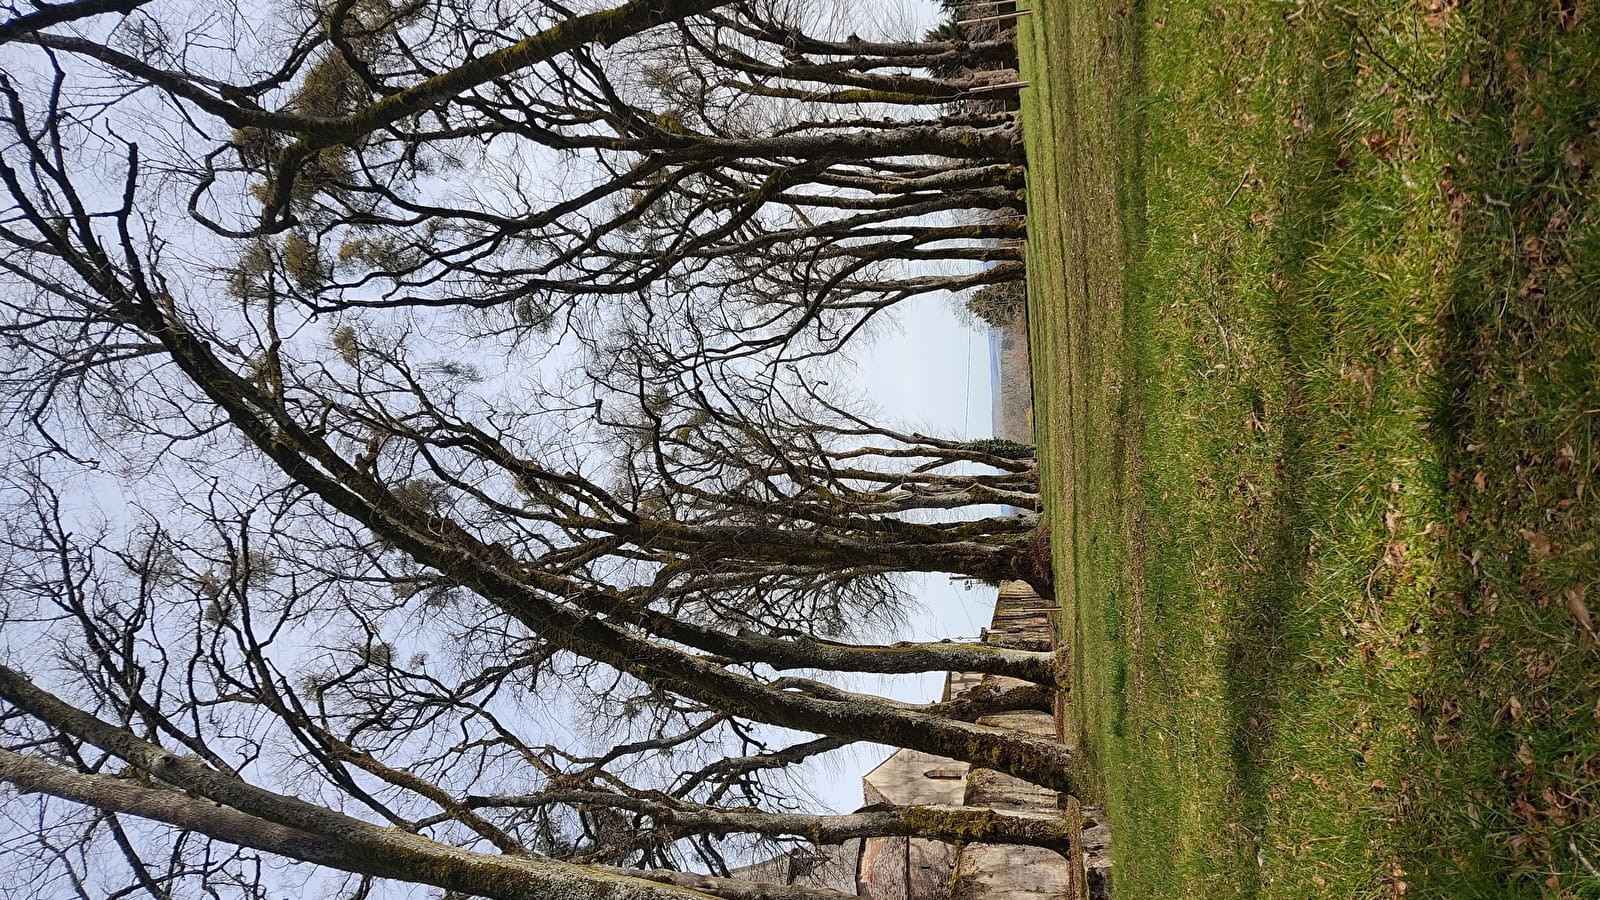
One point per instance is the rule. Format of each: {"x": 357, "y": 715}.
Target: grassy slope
{"x": 1315, "y": 300}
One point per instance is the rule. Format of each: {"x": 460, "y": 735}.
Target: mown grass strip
{"x": 1313, "y": 296}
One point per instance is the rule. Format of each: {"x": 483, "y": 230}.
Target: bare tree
{"x": 364, "y": 564}
{"x": 805, "y": 182}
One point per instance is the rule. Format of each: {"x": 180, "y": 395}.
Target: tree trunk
{"x": 355, "y": 846}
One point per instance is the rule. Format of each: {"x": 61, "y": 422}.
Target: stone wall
{"x": 827, "y": 866}
{"x": 913, "y": 869}
{"x": 902, "y": 869}
{"x": 1024, "y": 621}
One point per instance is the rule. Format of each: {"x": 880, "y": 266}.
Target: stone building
{"x": 901, "y": 868}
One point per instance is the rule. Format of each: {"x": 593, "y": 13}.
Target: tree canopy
{"x": 444, "y": 371}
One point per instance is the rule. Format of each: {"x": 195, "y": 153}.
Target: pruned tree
{"x": 368, "y": 555}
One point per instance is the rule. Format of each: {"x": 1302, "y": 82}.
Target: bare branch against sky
{"x": 439, "y": 450}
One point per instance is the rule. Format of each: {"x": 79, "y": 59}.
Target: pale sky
{"x": 931, "y": 373}
{"x": 927, "y": 371}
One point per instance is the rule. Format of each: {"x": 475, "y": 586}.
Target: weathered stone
{"x": 1039, "y": 723}
{"x": 830, "y": 866}
{"x": 958, "y": 683}
{"x": 1099, "y": 877}
{"x": 903, "y": 780}
{"x": 1002, "y": 872}
{"x": 1005, "y": 683}
{"x": 899, "y": 868}
{"x": 991, "y": 789}
{"x": 913, "y": 869}
{"x": 995, "y": 872}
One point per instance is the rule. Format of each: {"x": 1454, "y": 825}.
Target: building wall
{"x": 828, "y": 866}
{"x": 900, "y": 868}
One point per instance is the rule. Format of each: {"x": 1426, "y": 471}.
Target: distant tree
{"x": 998, "y": 304}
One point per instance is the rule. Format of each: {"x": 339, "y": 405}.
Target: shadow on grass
{"x": 1501, "y": 794}
{"x": 1262, "y": 650}
{"x": 1510, "y": 700}
{"x": 1496, "y": 683}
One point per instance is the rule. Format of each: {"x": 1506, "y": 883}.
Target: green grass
{"x": 1315, "y": 310}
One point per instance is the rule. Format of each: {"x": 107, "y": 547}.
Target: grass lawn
{"x": 1314, "y": 293}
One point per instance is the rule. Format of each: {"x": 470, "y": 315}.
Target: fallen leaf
{"x": 1580, "y": 611}
{"x": 1436, "y": 13}
{"x": 1533, "y": 248}
{"x": 1301, "y": 121}
{"x": 1525, "y": 756}
{"x": 1575, "y": 155}
{"x": 1381, "y": 145}
{"x": 1515, "y": 65}
{"x": 1394, "y": 554}
{"x": 1537, "y": 542}
{"x": 1571, "y": 12}
{"x": 1454, "y": 196}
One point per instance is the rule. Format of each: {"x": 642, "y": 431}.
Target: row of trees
{"x": 390, "y": 385}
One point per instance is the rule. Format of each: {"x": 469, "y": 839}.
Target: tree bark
{"x": 940, "y": 822}
{"x": 354, "y": 846}
{"x": 49, "y": 14}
